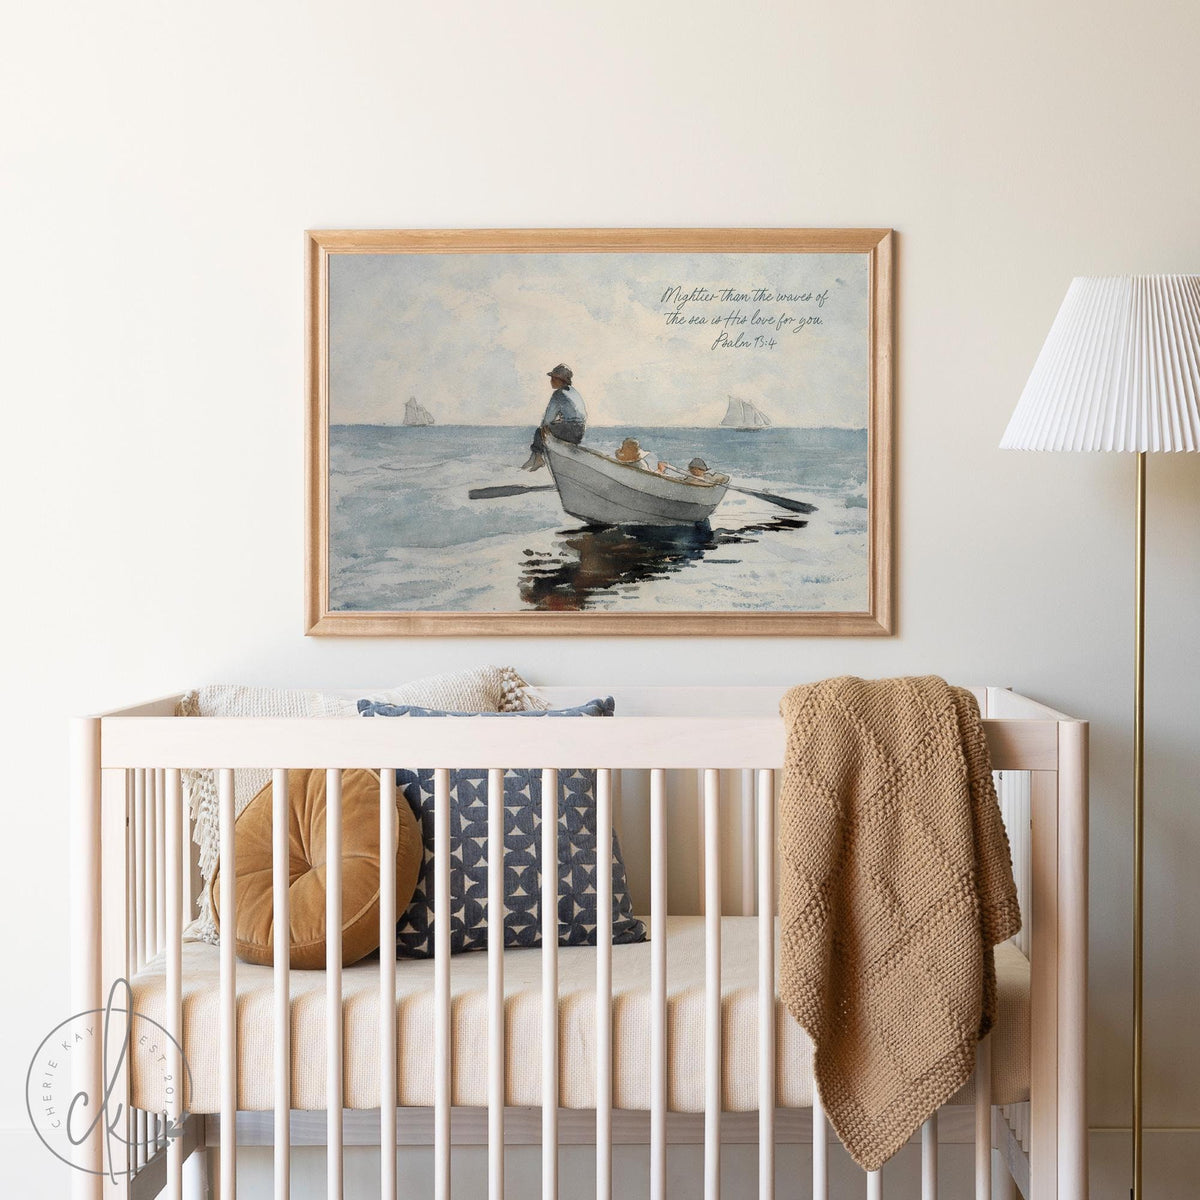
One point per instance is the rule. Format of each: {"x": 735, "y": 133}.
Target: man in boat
{"x": 565, "y": 417}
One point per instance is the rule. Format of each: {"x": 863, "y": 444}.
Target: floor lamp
{"x": 1120, "y": 370}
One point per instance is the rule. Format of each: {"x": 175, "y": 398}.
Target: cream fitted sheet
{"x": 522, "y": 989}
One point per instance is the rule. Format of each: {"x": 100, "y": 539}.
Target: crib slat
{"x": 160, "y": 853}
{"x": 151, "y": 851}
{"x": 658, "y": 985}
{"x": 712, "y": 985}
{"x": 929, "y": 1158}
{"x": 820, "y": 1136}
{"x": 387, "y": 985}
{"x": 185, "y": 838}
{"x": 228, "y": 1035}
{"x": 747, "y": 798}
{"x": 549, "y": 985}
{"x": 333, "y": 983}
{"x": 174, "y": 1015}
{"x": 766, "y": 984}
{"x": 495, "y": 952}
{"x": 130, "y": 1124}
{"x": 441, "y": 982}
{"x": 139, "y": 870}
{"x": 282, "y": 922}
{"x": 604, "y": 839}
{"x": 983, "y": 1120}
{"x": 139, "y": 921}
{"x": 874, "y": 1185}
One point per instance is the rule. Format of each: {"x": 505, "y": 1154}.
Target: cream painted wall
{"x": 160, "y": 161}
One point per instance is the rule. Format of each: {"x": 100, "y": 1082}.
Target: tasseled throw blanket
{"x": 895, "y": 884}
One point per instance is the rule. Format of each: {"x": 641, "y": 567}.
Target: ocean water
{"x": 404, "y": 536}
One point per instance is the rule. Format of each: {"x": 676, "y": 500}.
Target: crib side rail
{"x": 115, "y": 756}
{"x": 669, "y": 743}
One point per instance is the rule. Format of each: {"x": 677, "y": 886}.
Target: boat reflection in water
{"x": 590, "y": 562}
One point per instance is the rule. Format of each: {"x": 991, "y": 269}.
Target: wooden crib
{"x": 664, "y": 760}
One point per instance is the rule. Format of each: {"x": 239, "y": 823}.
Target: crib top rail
{"x": 749, "y": 734}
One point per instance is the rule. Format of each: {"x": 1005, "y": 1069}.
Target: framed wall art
{"x": 599, "y": 432}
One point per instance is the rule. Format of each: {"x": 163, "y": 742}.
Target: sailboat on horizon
{"x": 744, "y": 415}
{"x": 417, "y": 414}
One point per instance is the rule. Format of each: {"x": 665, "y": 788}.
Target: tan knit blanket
{"x": 895, "y": 884}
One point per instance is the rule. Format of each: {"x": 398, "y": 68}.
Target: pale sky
{"x": 472, "y": 336}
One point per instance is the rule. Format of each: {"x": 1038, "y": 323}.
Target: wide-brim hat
{"x": 562, "y": 371}
{"x": 629, "y": 451}
{"x": 697, "y": 464}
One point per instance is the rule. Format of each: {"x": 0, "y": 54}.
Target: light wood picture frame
{"x": 711, "y": 409}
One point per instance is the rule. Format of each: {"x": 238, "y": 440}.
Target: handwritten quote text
{"x": 755, "y": 319}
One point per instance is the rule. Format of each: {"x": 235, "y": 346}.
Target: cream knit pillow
{"x": 484, "y": 689}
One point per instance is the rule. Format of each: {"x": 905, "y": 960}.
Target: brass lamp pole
{"x": 1139, "y": 790}
{"x": 1120, "y": 370}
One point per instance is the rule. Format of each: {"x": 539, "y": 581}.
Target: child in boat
{"x": 696, "y": 469}
{"x": 630, "y": 452}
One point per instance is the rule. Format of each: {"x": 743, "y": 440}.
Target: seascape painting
{"x": 680, "y": 434}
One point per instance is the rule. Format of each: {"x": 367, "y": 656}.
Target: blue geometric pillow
{"x": 522, "y": 860}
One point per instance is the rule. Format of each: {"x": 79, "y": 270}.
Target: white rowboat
{"x": 601, "y": 490}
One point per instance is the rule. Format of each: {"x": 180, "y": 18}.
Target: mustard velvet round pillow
{"x": 254, "y": 902}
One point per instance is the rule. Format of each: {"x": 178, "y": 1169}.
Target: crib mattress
{"x": 523, "y": 1029}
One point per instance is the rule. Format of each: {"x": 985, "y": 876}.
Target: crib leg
{"x": 196, "y": 1182}
{"x": 1003, "y": 1186}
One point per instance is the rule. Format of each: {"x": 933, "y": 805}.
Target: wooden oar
{"x": 508, "y": 489}
{"x": 783, "y": 501}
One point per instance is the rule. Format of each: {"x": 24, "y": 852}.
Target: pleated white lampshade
{"x": 1120, "y": 369}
